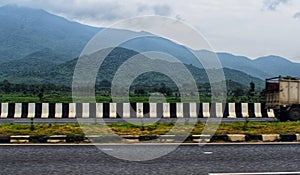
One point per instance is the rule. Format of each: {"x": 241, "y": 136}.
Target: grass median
{"x": 158, "y": 128}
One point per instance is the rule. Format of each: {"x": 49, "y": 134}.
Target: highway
{"x": 186, "y": 159}
{"x": 132, "y": 120}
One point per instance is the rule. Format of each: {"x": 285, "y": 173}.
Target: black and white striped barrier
{"x": 135, "y": 110}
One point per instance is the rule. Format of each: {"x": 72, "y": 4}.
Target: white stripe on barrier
{"x": 166, "y": 110}
{"x": 126, "y": 110}
{"x": 18, "y": 110}
{"x": 4, "y": 110}
{"x": 179, "y": 110}
{"x": 231, "y": 110}
{"x": 245, "y": 112}
{"x": 219, "y": 110}
{"x": 58, "y": 110}
{"x": 45, "y": 110}
{"x": 31, "y": 110}
{"x": 99, "y": 110}
{"x": 271, "y": 113}
{"x": 257, "y": 110}
{"x": 72, "y": 110}
{"x": 139, "y": 110}
{"x": 193, "y": 110}
{"x": 85, "y": 110}
{"x": 113, "y": 110}
{"x": 205, "y": 110}
{"x": 153, "y": 111}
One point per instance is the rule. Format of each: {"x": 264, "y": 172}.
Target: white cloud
{"x": 235, "y": 26}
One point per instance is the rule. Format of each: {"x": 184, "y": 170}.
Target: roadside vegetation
{"x": 50, "y": 93}
{"x": 61, "y": 94}
{"x": 147, "y": 129}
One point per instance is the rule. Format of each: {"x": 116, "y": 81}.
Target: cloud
{"x": 163, "y": 10}
{"x": 95, "y": 11}
{"x": 235, "y": 26}
{"x": 273, "y": 4}
{"x": 297, "y": 16}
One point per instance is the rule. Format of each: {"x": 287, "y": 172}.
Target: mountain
{"x": 62, "y": 74}
{"x": 243, "y": 64}
{"x": 275, "y": 66}
{"x": 159, "y": 44}
{"x": 25, "y": 30}
{"x": 37, "y": 47}
{"x": 263, "y": 67}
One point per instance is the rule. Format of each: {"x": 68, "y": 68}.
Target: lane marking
{"x": 263, "y": 173}
{"x": 207, "y": 152}
{"x": 107, "y": 149}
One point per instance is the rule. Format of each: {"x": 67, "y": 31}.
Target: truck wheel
{"x": 281, "y": 116}
{"x": 294, "y": 114}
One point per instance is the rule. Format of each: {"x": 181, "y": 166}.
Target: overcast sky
{"x": 251, "y": 28}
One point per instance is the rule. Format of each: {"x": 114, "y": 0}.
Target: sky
{"x": 251, "y": 28}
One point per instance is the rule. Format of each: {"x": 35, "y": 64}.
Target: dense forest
{"x": 10, "y": 92}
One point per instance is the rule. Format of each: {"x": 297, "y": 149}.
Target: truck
{"x": 283, "y": 96}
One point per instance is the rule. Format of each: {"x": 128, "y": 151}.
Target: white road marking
{"x": 107, "y": 149}
{"x": 207, "y": 152}
{"x": 263, "y": 173}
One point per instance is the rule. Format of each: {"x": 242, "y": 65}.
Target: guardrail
{"x": 134, "y": 110}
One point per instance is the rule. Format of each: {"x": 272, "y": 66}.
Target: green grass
{"x": 67, "y": 98}
{"x": 148, "y": 129}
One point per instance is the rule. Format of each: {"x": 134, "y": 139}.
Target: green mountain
{"x": 62, "y": 74}
{"x": 25, "y": 31}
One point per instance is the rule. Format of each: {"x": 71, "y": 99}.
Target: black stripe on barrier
{"x": 78, "y": 110}
{"x": 132, "y": 110}
{"x": 52, "y": 110}
{"x": 226, "y": 110}
{"x": 159, "y": 110}
{"x": 146, "y": 110}
{"x": 173, "y": 110}
{"x": 65, "y": 110}
{"x": 24, "y": 110}
{"x": 11, "y": 110}
{"x": 199, "y": 110}
{"x": 120, "y": 112}
{"x": 264, "y": 111}
{"x": 186, "y": 110}
{"x": 251, "y": 110}
{"x": 106, "y": 110}
{"x": 38, "y": 110}
{"x": 92, "y": 110}
{"x": 213, "y": 110}
{"x": 238, "y": 110}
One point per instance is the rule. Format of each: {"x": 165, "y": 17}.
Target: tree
{"x": 41, "y": 94}
{"x": 7, "y": 86}
{"x": 251, "y": 91}
{"x": 139, "y": 91}
{"x": 165, "y": 90}
{"x": 238, "y": 92}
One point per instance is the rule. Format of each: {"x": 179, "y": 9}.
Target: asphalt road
{"x": 85, "y": 159}
{"x": 133, "y": 120}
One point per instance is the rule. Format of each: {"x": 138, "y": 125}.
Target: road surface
{"x": 188, "y": 159}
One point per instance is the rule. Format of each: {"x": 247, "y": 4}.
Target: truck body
{"x": 283, "y": 96}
